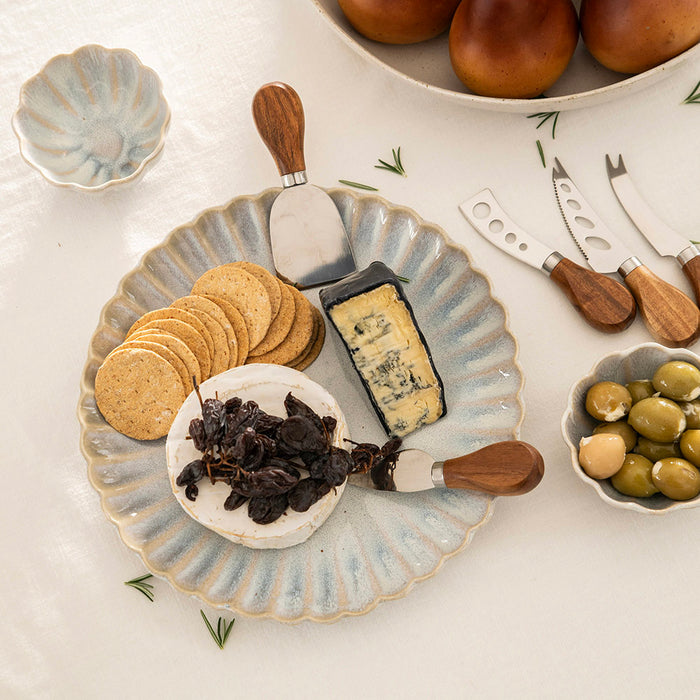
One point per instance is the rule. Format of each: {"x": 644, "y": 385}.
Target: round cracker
{"x": 245, "y": 292}
{"x": 173, "y": 343}
{"x": 297, "y": 338}
{"x": 179, "y": 315}
{"x": 220, "y": 355}
{"x": 281, "y": 324}
{"x": 237, "y": 323}
{"x": 166, "y": 354}
{"x": 216, "y": 312}
{"x": 315, "y": 347}
{"x": 138, "y": 393}
{"x": 268, "y": 280}
{"x": 189, "y": 336}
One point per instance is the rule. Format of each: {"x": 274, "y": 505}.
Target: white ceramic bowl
{"x": 91, "y": 119}
{"x": 637, "y": 362}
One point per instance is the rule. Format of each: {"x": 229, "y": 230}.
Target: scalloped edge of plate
{"x": 85, "y": 391}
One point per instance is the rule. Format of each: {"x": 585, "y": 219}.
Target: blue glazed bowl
{"x": 91, "y": 119}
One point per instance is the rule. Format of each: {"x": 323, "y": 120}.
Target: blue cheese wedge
{"x": 375, "y": 320}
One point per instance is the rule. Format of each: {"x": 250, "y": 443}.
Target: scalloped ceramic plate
{"x": 375, "y": 545}
{"x": 637, "y": 362}
{"x": 91, "y": 119}
{"x": 427, "y": 65}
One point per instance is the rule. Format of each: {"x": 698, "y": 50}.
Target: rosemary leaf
{"x": 140, "y": 585}
{"x": 694, "y": 97}
{"x": 544, "y": 117}
{"x": 402, "y": 279}
{"x": 358, "y": 185}
{"x": 397, "y": 167}
{"x": 541, "y": 152}
{"x": 223, "y": 629}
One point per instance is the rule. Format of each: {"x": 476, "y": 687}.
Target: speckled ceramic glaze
{"x": 637, "y": 362}
{"x": 91, "y": 119}
{"x": 375, "y": 545}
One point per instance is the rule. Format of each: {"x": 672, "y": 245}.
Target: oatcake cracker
{"x": 245, "y": 292}
{"x": 177, "y": 346}
{"x": 297, "y": 338}
{"x": 179, "y": 315}
{"x": 196, "y": 301}
{"x": 268, "y": 280}
{"x": 281, "y": 324}
{"x": 166, "y": 354}
{"x": 239, "y": 328}
{"x": 138, "y": 393}
{"x": 189, "y": 336}
{"x": 220, "y": 352}
{"x": 313, "y": 350}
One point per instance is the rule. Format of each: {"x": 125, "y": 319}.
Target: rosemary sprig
{"x": 694, "y": 97}
{"x": 358, "y": 185}
{"x": 223, "y": 629}
{"x": 140, "y": 585}
{"x": 541, "y": 152}
{"x": 397, "y": 167}
{"x": 545, "y": 117}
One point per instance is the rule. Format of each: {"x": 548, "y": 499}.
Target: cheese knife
{"x": 507, "y": 468}
{"x": 309, "y": 243}
{"x": 604, "y": 303}
{"x": 670, "y": 316}
{"x": 664, "y": 239}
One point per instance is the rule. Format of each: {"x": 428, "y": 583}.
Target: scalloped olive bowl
{"x": 91, "y": 119}
{"x": 636, "y": 362}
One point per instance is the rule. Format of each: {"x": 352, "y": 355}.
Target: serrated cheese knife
{"x": 604, "y": 303}
{"x": 664, "y": 239}
{"x": 670, "y": 316}
{"x": 308, "y": 239}
{"x": 508, "y": 468}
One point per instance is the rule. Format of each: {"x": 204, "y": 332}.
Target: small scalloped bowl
{"x": 91, "y": 119}
{"x": 637, "y": 362}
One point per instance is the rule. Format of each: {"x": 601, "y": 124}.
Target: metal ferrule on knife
{"x": 291, "y": 179}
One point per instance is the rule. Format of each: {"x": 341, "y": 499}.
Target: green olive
{"x": 608, "y": 401}
{"x": 656, "y": 450}
{"x": 634, "y": 477}
{"x": 691, "y": 409}
{"x": 657, "y": 418}
{"x": 621, "y": 428}
{"x": 690, "y": 446}
{"x": 676, "y": 478}
{"x": 677, "y": 380}
{"x": 640, "y": 389}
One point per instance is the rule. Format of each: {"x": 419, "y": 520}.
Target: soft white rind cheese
{"x": 267, "y": 385}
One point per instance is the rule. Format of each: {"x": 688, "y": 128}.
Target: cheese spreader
{"x": 663, "y": 238}
{"x": 670, "y": 316}
{"x": 309, "y": 243}
{"x": 604, "y": 303}
{"x": 507, "y": 468}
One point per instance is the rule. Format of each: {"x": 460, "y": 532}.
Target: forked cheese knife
{"x": 664, "y": 239}
{"x": 507, "y": 468}
{"x": 603, "y": 302}
{"x": 309, "y": 242}
{"x": 670, "y": 316}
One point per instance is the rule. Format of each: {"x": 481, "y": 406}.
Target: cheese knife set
{"x": 670, "y": 316}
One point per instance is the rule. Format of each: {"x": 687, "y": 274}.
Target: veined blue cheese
{"x": 388, "y": 352}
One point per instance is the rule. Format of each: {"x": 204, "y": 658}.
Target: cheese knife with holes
{"x": 604, "y": 303}
{"x": 670, "y": 316}
{"x": 664, "y": 239}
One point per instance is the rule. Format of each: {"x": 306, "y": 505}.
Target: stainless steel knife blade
{"x": 671, "y": 317}
{"x": 507, "y": 468}
{"x": 605, "y": 304}
{"x": 663, "y": 238}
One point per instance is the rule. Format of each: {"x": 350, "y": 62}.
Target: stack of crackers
{"x": 236, "y": 314}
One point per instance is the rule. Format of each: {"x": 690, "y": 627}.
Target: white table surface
{"x": 558, "y": 595}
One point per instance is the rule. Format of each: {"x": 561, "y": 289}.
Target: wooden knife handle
{"x": 507, "y": 468}
{"x": 279, "y": 118}
{"x": 692, "y": 272}
{"x": 603, "y": 302}
{"x": 671, "y": 317}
